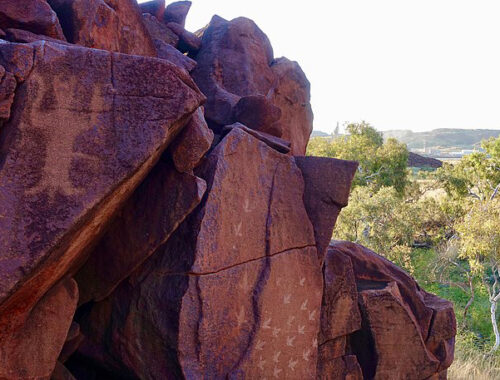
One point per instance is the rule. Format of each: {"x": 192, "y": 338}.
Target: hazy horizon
{"x": 397, "y": 65}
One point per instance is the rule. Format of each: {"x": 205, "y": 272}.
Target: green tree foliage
{"x": 476, "y": 175}
{"x": 380, "y": 164}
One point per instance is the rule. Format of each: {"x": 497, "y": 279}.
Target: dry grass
{"x": 472, "y": 365}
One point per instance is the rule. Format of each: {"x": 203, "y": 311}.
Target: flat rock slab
{"x": 86, "y": 127}
{"x": 114, "y": 25}
{"x": 339, "y": 309}
{"x": 235, "y": 291}
{"x": 328, "y": 183}
{"x": 274, "y": 142}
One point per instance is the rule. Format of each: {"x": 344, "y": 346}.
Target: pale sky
{"x": 398, "y": 64}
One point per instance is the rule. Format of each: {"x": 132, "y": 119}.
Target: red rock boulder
{"x": 114, "y": 25}
{"x": 86, "y": 129}
{"x": 257, "y": 239}
{"x": 33, "y": 15}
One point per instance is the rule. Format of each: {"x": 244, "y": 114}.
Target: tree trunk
{"x": 469, "y": 302}
{"x": 493, "y": 312}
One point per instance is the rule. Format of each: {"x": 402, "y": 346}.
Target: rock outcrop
{"x": 159, "y": 219}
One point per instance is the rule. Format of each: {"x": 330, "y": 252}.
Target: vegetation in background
{"x": 442, "y": 226}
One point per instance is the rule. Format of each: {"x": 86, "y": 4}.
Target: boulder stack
{"x": 159, "y": 218}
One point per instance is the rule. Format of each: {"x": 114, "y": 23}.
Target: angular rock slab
{"x": 339, "y": 309}
{"x": 146, "y": 221}
{"x": 274, "y": 142}
{"x": 391, "y": 322}
{"x": 33, "y": 15}
{"x": 292, "y": 93}
{"x": 239, "y": 289}
{"x": 177, "y": 12}
{"x": 328, "y": 183}
{"x": 114, "y": 25}
{"x": 192, "y": 143}
{"x": 394, "y": 309}
{"x": 31, "y": 352}
{"x": 233, "y": 62}
{"x": 86, "y": 128}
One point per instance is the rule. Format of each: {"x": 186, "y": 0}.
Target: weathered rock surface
{"x": 32, "y": 350}
{"x": 146, "y": 221}
{"x": 211, "y": 329}
{"x": 280, "y": 145}
{"x": 24, "y": 36}
{"x": 114, "y": 25}
{"x": 177, "y": 12}
{"x": 159, "y": 31}
{"x": 33, "y": 15}
{"x": 328, "y": 182}
{"x": 292, "y": 95}
{"x": 198, "y": 236}
{"x": 394, "y": 310}
{"x": 153, "y": 7}
{"x": 171, "y": 54}
{"x": 193, "y": 142}
{"x": 188, "y": 42}
{"x": 257, "y": 112}
{"x": 230, "y": 67}
{"x": 86, "y": 127}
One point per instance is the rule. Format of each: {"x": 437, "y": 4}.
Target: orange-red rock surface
{"x": 159, "y": 220}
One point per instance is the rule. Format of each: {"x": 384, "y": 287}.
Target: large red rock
{"x": 339, "y": 309}
{"x": 259, "y": 113}
{"x": 193, "y": 142}
{"x": 159, "y": 31}
{"x": 234, "y": 61}
{"x": 86, "y": 127}
{"x": 372, "y": 270}
{"x": 114, "y": 25}
{"x": 171, "y": 54}
{"x": 146, "y": 221}
{"x": 33, "y": 15}
{"x": 153, "y": 7}
{"x": 292, "y": 94}
{"x": 328, "y": 183}
{"x": 239, "y": 283}
{"x": 395, "y": 309}
{"x": 177, "y": 12}
{"x": 188, "y": 42}
{"x": 391, "y": 323}
{"x": 31, "y": 351}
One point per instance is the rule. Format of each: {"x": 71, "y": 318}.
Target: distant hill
{"x": 418, "y": 161}
{"x": 319, "y": 134}
{"x": 443, "y": 138}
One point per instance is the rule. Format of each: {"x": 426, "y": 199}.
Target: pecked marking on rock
{"x": 64, "y": 173}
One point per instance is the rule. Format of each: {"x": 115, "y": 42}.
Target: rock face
{"x": 394, "y": 310}
{"x": 114, "y": 25}
{"x": 32, "y": 350}
{"x": 147, "y": 234}
{"x": 33, "y": 15}
{"x": 70, "y": 161}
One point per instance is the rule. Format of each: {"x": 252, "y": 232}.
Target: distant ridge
{"x": 319, "y": 134}
{"x": 443, "y": 137}
{"x": 418, "y": 161}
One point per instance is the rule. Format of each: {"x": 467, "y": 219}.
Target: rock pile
{"x": 159, "y": 220}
